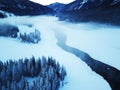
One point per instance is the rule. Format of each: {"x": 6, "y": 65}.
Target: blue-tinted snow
{"x": 100, "y": 41}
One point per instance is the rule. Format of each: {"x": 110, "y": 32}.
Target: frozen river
{"x": 100, "y": 41}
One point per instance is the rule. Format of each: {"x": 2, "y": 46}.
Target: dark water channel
{"x": 109, "y": 73}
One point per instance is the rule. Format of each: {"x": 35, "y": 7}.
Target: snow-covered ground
{"x": 100, "y": 41}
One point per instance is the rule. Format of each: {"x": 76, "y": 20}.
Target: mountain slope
{"x": 90, "y": 4}
{"x": 105, "y": 11}
{"x": 4, "y": 14}
{"x": 24, "y": 7}
{"x": 56, "y": 6}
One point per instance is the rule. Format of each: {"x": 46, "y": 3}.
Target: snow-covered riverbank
{"x": 100, "y": 41}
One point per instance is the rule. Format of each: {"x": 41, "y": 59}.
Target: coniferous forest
{"x": 47, "y": 74}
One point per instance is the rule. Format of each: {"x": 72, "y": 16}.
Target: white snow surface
{"x": 99, "y": 41}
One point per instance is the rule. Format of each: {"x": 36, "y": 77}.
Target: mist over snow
{"x": 99, "y": 41}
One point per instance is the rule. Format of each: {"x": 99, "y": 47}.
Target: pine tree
{"x": 21, "y": 67}
{"x": 43, "y": 62}
{"x": 3, "y": 76}
{"x": 1, "y": 66}
{"x": 38, "y": 66}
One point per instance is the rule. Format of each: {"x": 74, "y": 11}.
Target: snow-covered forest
{"x": 15, "y": 75}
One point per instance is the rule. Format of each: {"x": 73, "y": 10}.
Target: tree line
{"x": 48, "y": 74}
{"x": 32, "y": 37}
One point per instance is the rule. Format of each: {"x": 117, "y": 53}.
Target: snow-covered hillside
{"x": 4, "y": 14}
{"x": 103, "y": 11}
{"x": 99, "y": 41}
{"x": 24, "y": 7}
{"x": 89, "y": 4}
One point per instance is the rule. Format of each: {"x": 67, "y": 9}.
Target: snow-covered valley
{"x": 99, "y": 41}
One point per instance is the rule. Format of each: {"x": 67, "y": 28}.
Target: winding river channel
{"x": 109, "y": 73}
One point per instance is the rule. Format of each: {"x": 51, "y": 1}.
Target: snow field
{"x": 100, "y": 41}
